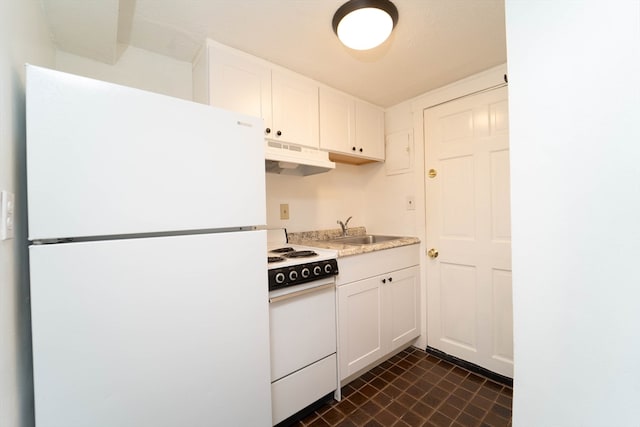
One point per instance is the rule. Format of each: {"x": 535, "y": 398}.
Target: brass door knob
{"x": 433, "y": 253}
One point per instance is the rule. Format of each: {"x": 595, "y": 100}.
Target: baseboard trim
{"x": 494, "y": 376}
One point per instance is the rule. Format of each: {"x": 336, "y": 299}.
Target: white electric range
{"x": 302, "y": 322}
{"x": 291, "y": 265}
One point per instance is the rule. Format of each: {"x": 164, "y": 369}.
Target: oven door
{"x": 303, "y": 326}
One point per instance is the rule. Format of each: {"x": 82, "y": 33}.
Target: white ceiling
{"x": 435, "y": 42}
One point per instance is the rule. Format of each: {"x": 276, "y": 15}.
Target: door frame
{"x": 483, "y": 254}
{"x": 480, "y": 82}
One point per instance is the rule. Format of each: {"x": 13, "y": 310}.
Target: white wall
{"x": 374, "y": 199}
{"x": 137, "y": 68}
{"x": 386, "y": 194}
{"x": 317, "y": 201}
{"x": 574, "y": 101}
{"x": 23, "y": 38}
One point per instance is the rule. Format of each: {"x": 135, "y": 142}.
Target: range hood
{"x": 290, "y": 159}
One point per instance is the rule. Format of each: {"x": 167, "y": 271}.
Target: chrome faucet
{"x": 345, "y": 226}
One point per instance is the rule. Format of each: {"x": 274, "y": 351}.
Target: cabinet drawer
{"x": 300, "y": 389}
{"x": 358, "y": 267}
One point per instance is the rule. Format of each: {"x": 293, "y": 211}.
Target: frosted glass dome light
{"x": 365, "y": 24}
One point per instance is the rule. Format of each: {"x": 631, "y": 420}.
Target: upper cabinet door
{"x": 240, "y": 84}
{"x": 350, "y": 129}
{"x": 295, "y": 109}
{"x": 369, "y": 130}
{"x": 337, "y": 121}
{"x": 290, "y": 105}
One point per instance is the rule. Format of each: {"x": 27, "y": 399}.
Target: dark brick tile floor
{"x": 415, "y": 388}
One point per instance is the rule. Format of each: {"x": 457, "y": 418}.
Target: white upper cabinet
{"x": 239, "y": 84}
{"x": 350, "y": 129}
{"x": 295, "y": 109}
{"x": 232, "y": 80}
{"x": 337, "y": 121}
{"x": 369, "y": 130}
{"x": 287, "y": 102}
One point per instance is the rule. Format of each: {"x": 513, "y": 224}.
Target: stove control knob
{"x": 328, "y": 268}
{"x": 280, "y": 278}
{"x": 317, "y": 270}
{"x": 293, "y": 275}
{"x": 305, "y": 272}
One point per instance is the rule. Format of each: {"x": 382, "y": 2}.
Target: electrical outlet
{"x": 7, "y": 204}
{"x": 284, "y": 211}
{"x": 410, "y": 203}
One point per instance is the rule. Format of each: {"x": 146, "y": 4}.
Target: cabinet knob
{"x": 279, "y": 133}
{"x": 390, "y": 279}
{"x": 353, "y": 148}
{"x": 267, "y": 131}
{"x": 361, "y": 150}
{"x": 384, "y": 280}
{"x": 433, "y": 253}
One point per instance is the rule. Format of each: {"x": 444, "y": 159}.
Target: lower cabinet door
{"x": 401, "y": 308}
{"x": 360, "y": 324}
{"x": 376, "y": 316}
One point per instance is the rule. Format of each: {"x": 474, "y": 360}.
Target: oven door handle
{"x": 300, "y": 293}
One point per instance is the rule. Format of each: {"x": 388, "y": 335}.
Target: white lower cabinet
{"x": 361, "y": 329}
{"x": 378, "y": 314}
{"x": 402, "y": 297}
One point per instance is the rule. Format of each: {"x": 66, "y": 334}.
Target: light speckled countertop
{"x": 321, "y": 239}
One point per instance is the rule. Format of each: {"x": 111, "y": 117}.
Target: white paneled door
{"x": 469, "y": 230}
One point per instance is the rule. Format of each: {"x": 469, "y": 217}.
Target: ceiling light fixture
{"x": 365, "y": 24}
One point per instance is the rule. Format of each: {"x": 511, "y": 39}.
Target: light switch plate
{"x": 7, "y": 204}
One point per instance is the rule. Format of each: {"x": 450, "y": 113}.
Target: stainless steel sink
{"x": 369, "y": 239}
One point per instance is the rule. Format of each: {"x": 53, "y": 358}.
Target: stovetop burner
{"x": 291, "y": 264}
{"x": 300, "y": 254}
{"x": 282, "y": 250}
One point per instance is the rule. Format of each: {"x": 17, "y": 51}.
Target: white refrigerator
{"x": 147, "y": 258}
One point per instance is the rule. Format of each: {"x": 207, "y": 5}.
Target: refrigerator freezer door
{"x": 164, "y": 331}
{"x": 104, "y": 159}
